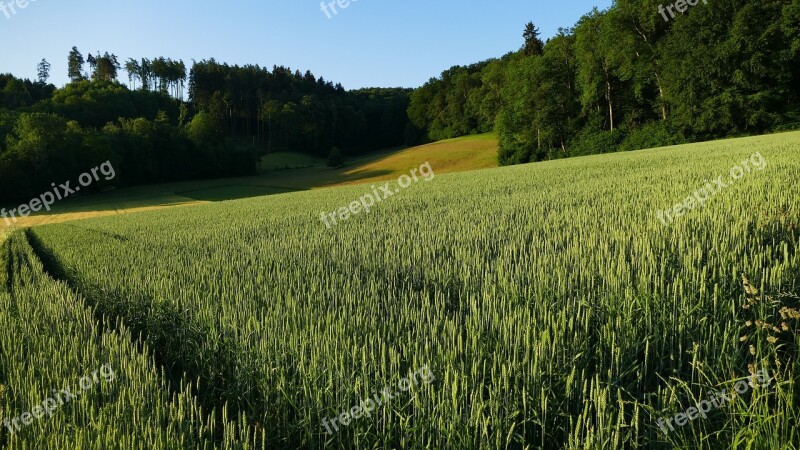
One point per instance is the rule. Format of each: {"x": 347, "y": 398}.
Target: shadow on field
{"x": 363, "y": 174}
{"x": 234, "y": 192}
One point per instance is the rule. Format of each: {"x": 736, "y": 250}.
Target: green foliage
{"x": 462, "y": 101}
{"x": 46, "y": 147}
{"x": 538, "y": 101}
{"x": 203, "y": 130}
{"x": 75, "y": 65}
{"x": 721, "y": 69}
{"x": 286, "y": 111}
{"x": 43, "y": 71}
{"x": 652, "y": 135}
{"x": 87, "y": 123}
{"x": 16, "y": 93}
{"x": 7, "y": 121}
{"x": 590, "y": 142}
{"x": 96, "y": 103}
{"x": 335, "y": 158}
{"x": 533, "y": 44}
{"x": 105, "y": 67}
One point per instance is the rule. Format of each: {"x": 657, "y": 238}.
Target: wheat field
{"x": 551, "y": 305}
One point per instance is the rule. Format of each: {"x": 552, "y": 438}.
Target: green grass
{"x": 549, "y": 302}
{"x": 288, "y": 160}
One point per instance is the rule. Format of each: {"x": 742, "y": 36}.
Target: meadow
{"x": 551, "y": 306}
{"x": 278, "y": 172}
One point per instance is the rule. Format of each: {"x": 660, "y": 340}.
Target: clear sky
{"x": 370, "y": 43}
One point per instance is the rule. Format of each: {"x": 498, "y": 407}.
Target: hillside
{"x": 567, "y": 304}
{"x": 279, "y": 173}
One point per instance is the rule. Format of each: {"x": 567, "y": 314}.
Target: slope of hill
{"x": 451, "y": 155}
{"x": 279, "y": 173}
{"x": 580, "y": 303}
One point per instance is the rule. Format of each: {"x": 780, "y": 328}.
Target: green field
{"x": 549, "y": 302}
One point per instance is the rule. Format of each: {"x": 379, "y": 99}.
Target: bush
{"x": 593, "y": 142}
{"x": 335, "y": 159}
{"x": 655, "y": 134}
{"x": 203, "y": 131}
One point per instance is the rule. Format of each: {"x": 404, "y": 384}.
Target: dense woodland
{"x": 626, "y": 79}
{"x": 621, "y": 79}
{"x": 151, "y": 134}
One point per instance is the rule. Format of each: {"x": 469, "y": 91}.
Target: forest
{"x": 232, "y": 116}
{"x": 620, "y": 79}
{"x": 626, "y": 79}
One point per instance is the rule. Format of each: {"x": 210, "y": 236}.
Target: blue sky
{"x": 370, "y": 43}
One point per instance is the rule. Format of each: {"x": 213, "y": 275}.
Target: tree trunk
{"x": 663, "y": 100}
{"x": 610, "y": 102}
{"x": 538, "y": 133}
{"x": 538, "y": 138}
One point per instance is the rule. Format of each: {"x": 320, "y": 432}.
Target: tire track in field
{"x": 170, "y": 337}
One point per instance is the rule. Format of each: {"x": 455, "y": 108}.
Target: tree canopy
{"x": 625, "y": 79}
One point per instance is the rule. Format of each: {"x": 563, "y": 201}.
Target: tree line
{"x": 294, "y": 111}
{"x": 152, "y": 134}
{"x": 52, "y": 135}
{"x": 624, "y": 79}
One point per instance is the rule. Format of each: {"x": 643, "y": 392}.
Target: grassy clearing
{"x": 304, "y": 172}
{"x": 452, "y": 155}
{"x": 549, "y": 302}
